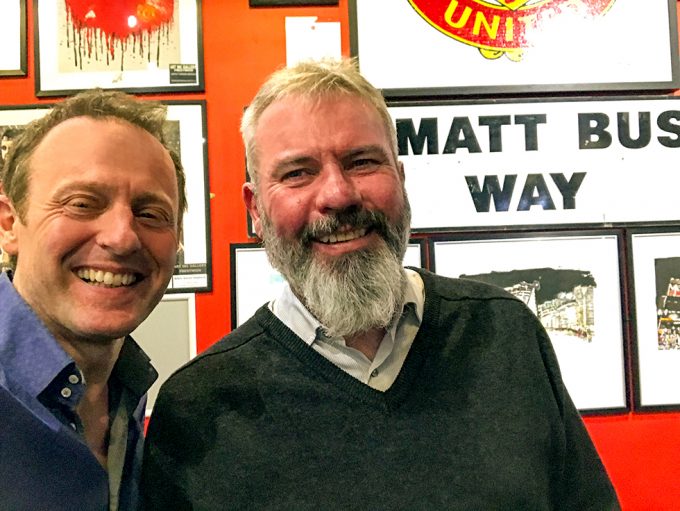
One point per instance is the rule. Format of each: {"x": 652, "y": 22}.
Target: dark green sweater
{"x": 477, "y": 419}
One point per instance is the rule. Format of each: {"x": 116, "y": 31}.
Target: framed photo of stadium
{"x": 13, "y": 38}
{"x": 571, "y": 281}
{"x": 141, "y": 46}
{"x": 655, "y": 284}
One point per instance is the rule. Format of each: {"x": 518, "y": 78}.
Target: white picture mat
{"x": 593, "y": 372}
{"x": 10, "y": 35}
{"x": 257, "y": 283}
{"x": 192, "y": 148}
{"x": 52, "y": 79}
{"x": 439, "y": 194}
{"x": 659, "y": 370}
{"x": 567, "y": 51}
{"x": 168, "y": 337}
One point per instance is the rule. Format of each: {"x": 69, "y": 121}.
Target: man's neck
{"x": 96, "y": 361}
{"x": 366, "y": 342}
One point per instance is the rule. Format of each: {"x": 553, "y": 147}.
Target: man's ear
{"x": 248, "y": 194}
{"x": 8, "y": 223}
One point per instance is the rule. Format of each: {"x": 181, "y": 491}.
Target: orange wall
{"x": 242, "y": 46}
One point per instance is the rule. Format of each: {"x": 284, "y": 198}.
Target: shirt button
{"x": 66, "y": 392}
{"x": 73, "y": 426}
{"x": 375, "y": 373}
{"x": 73, "y": 378}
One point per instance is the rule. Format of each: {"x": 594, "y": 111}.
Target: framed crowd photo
{"x": 139, "y": 46}
{"x": 571, "y": 281}
{"x": 13, "y": 38}
{"x": 443, "y": 47}
{"x": 186, "y": 133}
{"x": 655, "y": 261}
{"x": 255, "y": 282}
{"x": 174, "y": 321}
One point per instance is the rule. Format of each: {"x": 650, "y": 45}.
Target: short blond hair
{"x": 313, "y": 79}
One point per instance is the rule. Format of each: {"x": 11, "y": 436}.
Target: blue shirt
{"x": 44, "y": 460}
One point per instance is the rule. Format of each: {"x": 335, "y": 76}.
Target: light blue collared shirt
{"x": 378, "y": 373}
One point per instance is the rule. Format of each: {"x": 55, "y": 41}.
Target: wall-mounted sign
{"x": 439, "y": 47}
{"x": 529, "y": 163}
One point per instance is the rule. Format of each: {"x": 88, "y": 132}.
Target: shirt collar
{"x": 31, "y": 358}
{"x": 290, "y": 310}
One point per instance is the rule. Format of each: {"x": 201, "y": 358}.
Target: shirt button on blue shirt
{"x": 73, "y": 378}
{"x": 66, "y": 392}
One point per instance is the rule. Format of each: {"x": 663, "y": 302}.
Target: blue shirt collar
{"x": 30, "y": 356}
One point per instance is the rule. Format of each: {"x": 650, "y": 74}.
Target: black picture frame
{"x": 13, "y": 62}
{"x": 193, "y": 271}
{"x": 486, "y": 48}
{"x": 653, "y": 254}
{"x": 591, "y": 347}
{"x": 69, "y": 58}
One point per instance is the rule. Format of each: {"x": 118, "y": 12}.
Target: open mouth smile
{"x": 106, "y": 278}
{"x": 344, "y": 234}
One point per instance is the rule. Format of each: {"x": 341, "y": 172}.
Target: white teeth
{"x": 343, "y": 236}
{"x": 106, "y": 278}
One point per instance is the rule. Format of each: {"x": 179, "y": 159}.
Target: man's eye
{"x": 81, "y": 203}
{"x": 364, "y": 162}
{"x": 294, "y": 174}
{"x": 156, "y": 216}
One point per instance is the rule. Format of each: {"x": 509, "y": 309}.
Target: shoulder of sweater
{"x": 237, "y": 340}
{"x": 462, "y": 289}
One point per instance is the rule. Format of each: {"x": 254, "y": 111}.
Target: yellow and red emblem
{"x": 503, "y": 27}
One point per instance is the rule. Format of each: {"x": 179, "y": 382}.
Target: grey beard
{"x": 352, "y": 293}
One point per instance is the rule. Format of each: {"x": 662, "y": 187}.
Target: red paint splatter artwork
{"x": 99, "y": 29}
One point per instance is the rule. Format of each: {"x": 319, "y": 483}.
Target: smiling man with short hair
{"x": 90, "y": 212}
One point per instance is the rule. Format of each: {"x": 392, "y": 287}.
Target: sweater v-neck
{"x": 389, "y": 399}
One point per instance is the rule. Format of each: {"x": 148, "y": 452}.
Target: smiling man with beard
{"x": 365, "y": 385}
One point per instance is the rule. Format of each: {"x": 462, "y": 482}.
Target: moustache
{"x": 354, "y": 219}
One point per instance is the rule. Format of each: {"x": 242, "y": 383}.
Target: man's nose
{"x": 118, "y": 231}
{"x": 337, "y": 190}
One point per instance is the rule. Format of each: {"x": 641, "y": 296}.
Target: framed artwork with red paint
{"x": 139, "y": 46}
{"x": 13, "y": 38}
{"x": 444, "y": 47}
{"x": 571, "y": 281}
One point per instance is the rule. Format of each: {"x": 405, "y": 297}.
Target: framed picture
{"x": 168, "y": 336}
{"x": 254, "y": 282}
{"x": 539, "y": 163}
{"x": 186, "y": 133}
{"x": 137, "y": 46}
{"x": 441, "y": 47}
{"x": 571, "y": 281}
{"x": 655, "y": 281}
{"x": 13, "y": 38}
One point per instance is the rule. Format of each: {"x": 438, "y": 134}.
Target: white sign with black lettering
{"x": 552, "y": 162}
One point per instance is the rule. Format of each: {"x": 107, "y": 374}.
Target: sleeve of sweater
{"x": 582, "y": 480}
